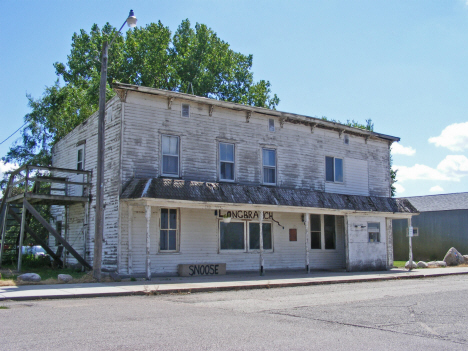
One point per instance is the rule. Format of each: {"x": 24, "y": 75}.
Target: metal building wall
{"x": 438, "y": 232}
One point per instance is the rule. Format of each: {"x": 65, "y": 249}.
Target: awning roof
{"x": 228, "y": 193}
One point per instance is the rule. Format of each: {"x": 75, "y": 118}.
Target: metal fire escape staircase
{"x": 35, "y": 185}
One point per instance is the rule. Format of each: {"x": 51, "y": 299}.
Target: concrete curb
{"x": 164, "y": 289}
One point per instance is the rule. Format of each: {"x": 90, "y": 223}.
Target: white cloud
{"x": 5, "y": 167}
{"x": 399, "y": 188}
{"x": 436, "y": 189}
{"x": 452, "y": 168}
{"x": 398, "y": 149}
{"x": 454, "y": 137}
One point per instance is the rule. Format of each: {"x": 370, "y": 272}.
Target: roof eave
{"x": 312, "y": 121}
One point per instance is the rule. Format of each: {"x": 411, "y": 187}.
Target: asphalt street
{"x": 417, "y": 314}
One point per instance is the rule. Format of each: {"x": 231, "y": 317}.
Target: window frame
{"x": 334, "y": 170}
{"x": 222, "y": 161}
{"x": 275, "y": 168}
{"x": 81, "y": 149}
{"x": 182, "y": 110}
{"x": 373, "y": 231}
{"x": 271, "y": 125}
{"x": 322, "y": 233}
{"x": 171, "y": 175}
{"x": 177, "y": 249}
{"x": 246, "y": 249}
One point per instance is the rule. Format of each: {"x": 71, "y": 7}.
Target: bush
{"x": 31, "y": 261}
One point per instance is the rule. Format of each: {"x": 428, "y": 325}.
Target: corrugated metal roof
{"x": 161, "y": 188}
{"x": 443, "y": 202}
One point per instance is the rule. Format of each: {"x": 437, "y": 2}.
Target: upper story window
{"x": 226, "y": 162}
{"x": 334, "y": 169}
{"x": 185, "y": 110}
{"x": 271, "y": 125}
{"x": 269, "y": 166}
{"x": 170, "y": 155}
{"x": 80, "y": 159}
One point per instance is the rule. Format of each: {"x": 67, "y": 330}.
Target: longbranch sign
{"x": 244, "y": 214}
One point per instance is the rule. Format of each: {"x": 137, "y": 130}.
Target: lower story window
{"x": 373, "y": 228}
{"x": 323, "y": 232}
{"x": 244, "y": 235}
{"x": 254, "y": 236}
{"x": 169, "y": 229}
{"x": 232, "y": 236}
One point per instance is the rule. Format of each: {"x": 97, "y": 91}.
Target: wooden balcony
{"x": 48, "y": 185}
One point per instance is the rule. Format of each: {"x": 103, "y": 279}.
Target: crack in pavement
{"x": 432, "y": 336}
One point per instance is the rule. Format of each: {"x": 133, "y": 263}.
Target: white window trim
{"x": 177, "y": 250}
{"x": 246, "y": 239}
{"x": 81, "y": 147}
{"x": 334, "y": 181}
{"x": 322, "y": 236}
{"x": 178, "y": 157}
{"x": 219, "y": 163}
{"x": 275, "y": 168}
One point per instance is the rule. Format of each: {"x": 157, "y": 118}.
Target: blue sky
{"x": 402, "y": 64}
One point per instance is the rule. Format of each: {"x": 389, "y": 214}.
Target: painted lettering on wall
{"x": 244, "y": 214}
{"x": 203, "y": 269}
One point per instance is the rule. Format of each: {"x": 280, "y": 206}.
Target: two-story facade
{"x": 193, "y": 180}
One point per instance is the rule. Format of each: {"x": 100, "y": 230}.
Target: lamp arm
{"x": 117, "y": 33}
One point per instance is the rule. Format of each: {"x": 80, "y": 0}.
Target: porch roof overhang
{"x": 193, "y": 194}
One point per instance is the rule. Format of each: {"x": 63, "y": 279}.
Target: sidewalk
{"x": 168, "y": 285}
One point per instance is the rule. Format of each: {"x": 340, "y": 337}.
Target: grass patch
{"x": 399, "y": 264}
{"x": 48, "y": 274}
{"x": 3, "y": 307}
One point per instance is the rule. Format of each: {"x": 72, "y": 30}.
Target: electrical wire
{"x": 13, "y": 133}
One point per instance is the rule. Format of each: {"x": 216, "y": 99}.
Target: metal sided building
{"x": 193, "y": 180}
{"x": 442, "y": 224}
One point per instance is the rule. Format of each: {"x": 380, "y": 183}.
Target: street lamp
{"x": 98, "y": 232}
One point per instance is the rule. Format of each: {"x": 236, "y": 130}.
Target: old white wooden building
{"x": 179, "y": 167}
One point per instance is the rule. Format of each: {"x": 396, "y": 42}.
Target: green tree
{"x": 193, "y": 60}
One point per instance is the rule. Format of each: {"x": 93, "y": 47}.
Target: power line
{"x": 13, "y": 133}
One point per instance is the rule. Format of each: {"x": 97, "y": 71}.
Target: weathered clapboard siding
{"x": 356, "y": 179}
{"x": 64, "y": 155}
{"x": 300, "y": 153}
{"x": 199, "y": 243}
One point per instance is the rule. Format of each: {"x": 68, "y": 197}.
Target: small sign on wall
{"x": 292, "y": 234}
{"x": 412, "y": 231}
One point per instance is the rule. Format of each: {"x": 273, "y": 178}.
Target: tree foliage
{"x": 193, "y": 60}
